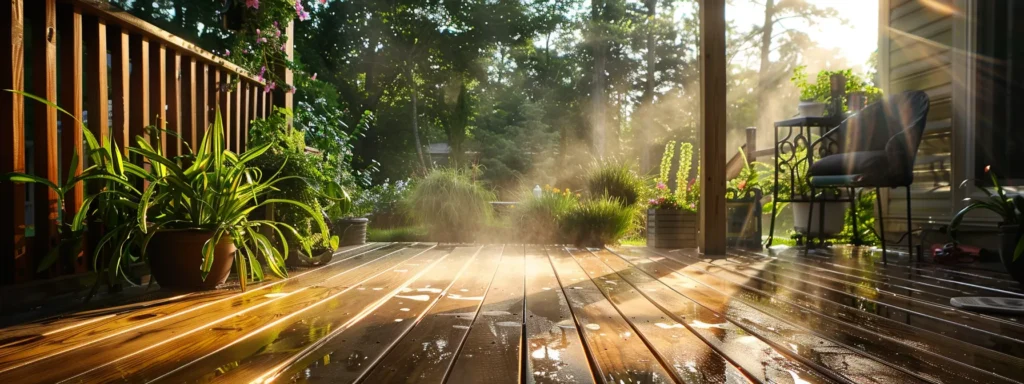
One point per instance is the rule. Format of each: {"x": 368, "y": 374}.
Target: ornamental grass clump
{"x": 597, "y": 222}
{"x": 451, "y": 205}
{"x": 616, "y": 180}
{"x": 536, "y": 220}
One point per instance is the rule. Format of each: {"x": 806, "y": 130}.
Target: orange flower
{"x": 988, "y": 168}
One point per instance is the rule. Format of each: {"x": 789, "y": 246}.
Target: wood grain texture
{"x": 140, "y": 86}
{"x": 236, "y": 118}
{"x": 352, "y": 351}
{"x": 95, "y": 31}
{"x": 120, "y": 85}
{"x": 759, "y": 359}
{"x": 44, "y": 70}
{"x": 689, "y": 359}
{"x": 426, "y": 353}
{"x": 796, "y": 309}
{"x": 203, "y": 101}
{"x": 615, "y": 351}
{"x": 214, "y": 100}
{"x": 226, "y": 99}
{"x": 121, "y": 333}
{"x": 301, "y": 327}
{"x": 70, "y": 39}
{"x": 16, "y": 267}
{"x": 492, "y": 350}
{"x": 713, "y": 122}
{"x": 555, "y": 351}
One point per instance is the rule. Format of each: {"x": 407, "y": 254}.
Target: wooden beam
{"x": 283, "y": 98}
{"x": 121, "y": 87}
{"x": 713, "y": 105}
{"x": 15, "y": 265}
{"x": 69, "y": 22}
{"x": 96, "y": 52}
{"x": 44, "y": 71}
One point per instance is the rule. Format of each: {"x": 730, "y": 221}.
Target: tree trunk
{"x": 764, "y": 80}
{"x": 597, "y": 94}
{"x": 414, "y": 99}
{"x": 647, "y": 99}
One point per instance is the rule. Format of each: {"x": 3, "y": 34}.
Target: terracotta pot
{"x": 176, "y": 258}
{"x": 1009, "y": 235}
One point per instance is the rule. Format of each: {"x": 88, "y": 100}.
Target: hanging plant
{"x": 261, "y": 38}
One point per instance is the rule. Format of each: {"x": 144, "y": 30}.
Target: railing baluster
{"x": 213, "y": 97}
{"x": 96, "y": 66}
{"x": 189, "y": 113}
{"x": 236, "y": 125}
{"x": 174, "y": 102}
{"x": 69, "y": 28}
{"x": 44, "y": 64}
{"x": 140, "y": 81}
{"x": 158, "y": 90}
{"x": 225, "y": 106}
{"x": 16, "y": 267}
{"x": 120, "y": 84}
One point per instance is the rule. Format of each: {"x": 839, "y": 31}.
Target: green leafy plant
{"x": 109, "y": 201}
{"x": 450, "y": 204}
{"x": 536, "y": 219}
{"x": 216, "y": 190}
{"x": 821, "y": 89}
{"x": 686, "y": 195}
{"x": 752, "y": 175}
{"x": 1009, "y": 208}
{"x": 597, "y": 222}
{"x": 666, "y": 162}
{"x": 616, "y": 180}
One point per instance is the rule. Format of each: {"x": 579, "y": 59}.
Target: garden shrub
{"x": 535, "y": 220}
{"x": 450, "y": 204}
{"x": 616, "y": 180}
{"x": 597, "y": 222}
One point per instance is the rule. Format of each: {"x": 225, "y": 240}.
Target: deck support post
{"x": 713, "y": 104}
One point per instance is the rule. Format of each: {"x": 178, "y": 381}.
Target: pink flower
{"x": 263, "y": 70}
{"x": 323, "y": 1}
{"x": 269, "y": 87}
{"x": 277, "y": 32}
{"x": 227, "y": 52}
{"x": 661, "y": 186}
{"x": 254, "y": 4}
{"x": 300, "y": 12}
{"x": 262, "y": 40}
{"x": 314, "y": 76}
{"x": 257, "y": 31}
{"x": 292, "y": 91}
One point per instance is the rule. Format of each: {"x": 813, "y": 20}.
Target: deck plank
{"x": 880, "y": 337}
{"x": 133, "y": 328}
{"x": 617, "y": 354}
{"x": 303, "y": 330}
{"x": 426, "y": 353}
{"x": 492, "y": 350}
{"x": 555, "y": 350}
{"x": 985, "y": 332}
{"x": 353, "y": 349}
{"x": 177, "y": 346}
{"x": 767, "y": 360}
{"x": 688, "y": 357}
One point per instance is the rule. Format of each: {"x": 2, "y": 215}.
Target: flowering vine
{"x": 261, "y": 39}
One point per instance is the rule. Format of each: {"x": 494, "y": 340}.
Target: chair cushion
{"x": 872, "y": 165}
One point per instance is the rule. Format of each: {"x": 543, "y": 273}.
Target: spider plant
{"x": 1009, "y": 208}
{"x": 110, "y": 197}
{"x": 216, "y": 190}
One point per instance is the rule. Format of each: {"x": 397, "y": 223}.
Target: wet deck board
{"x": 428, "y": 313}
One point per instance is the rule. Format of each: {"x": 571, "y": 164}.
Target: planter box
{"x": 671, "y": 228}
{"x": 743, "y": 221}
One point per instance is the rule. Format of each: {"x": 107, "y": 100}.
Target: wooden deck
{"x": 429, "y": 313}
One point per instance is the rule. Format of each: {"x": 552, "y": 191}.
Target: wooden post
{"x": 224, "y": 98}
{"x": 236, "y": 118}
{"x": 70, "y": 97}
{"x": 96, "y": 51}
{"x": 15, "y": 265}
{"x": 44, "y": 64}
{"x": 203, "y": 102}
{"x": 713, "y": 104}
{"x": 750, "y": 150}
{"x": 121, "y": 88}
{"x": 212, "y": 97}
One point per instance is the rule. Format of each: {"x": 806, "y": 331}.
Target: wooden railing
{"x": 118, "y": 73}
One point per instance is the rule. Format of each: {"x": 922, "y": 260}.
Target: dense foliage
{"x": 451, "y": 205}
{"x": 597, "y": 222}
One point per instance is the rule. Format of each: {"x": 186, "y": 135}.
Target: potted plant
{"x": 797, "y": 187}
{"x": 815, "y": 97}
{"x": 195, "y": 212}
{"x": 1011, "y": 211}
{"x": 743, "y": 204}
{"x": 672, "y": 215}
